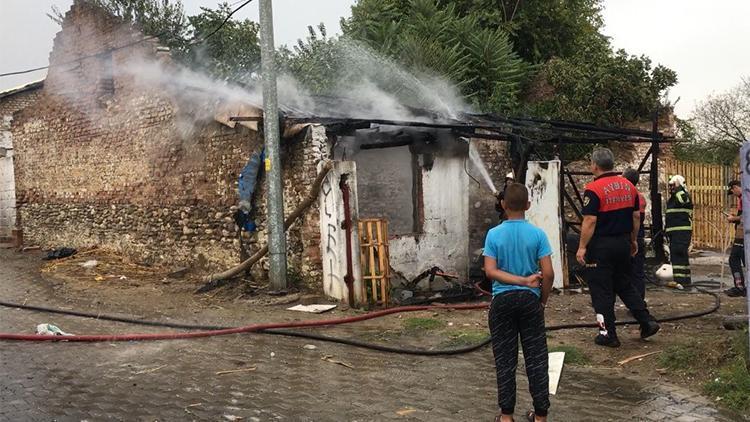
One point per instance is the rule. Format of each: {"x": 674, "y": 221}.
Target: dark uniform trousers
{"x": 737, "y": 261}
{"x": 679, "y": 243}
{"x": 639, "y": 265}
{"x": 609, "y": 273}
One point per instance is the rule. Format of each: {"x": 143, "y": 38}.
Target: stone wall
{"x": 10, "y": 102}
{"x": 105, "y": 159}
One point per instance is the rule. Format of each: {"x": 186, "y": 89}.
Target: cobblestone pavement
{"x": 178, "y": 380}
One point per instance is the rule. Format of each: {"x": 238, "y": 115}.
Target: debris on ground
{"x": 329, "y": 358}
{"x": 636, "y": 357}
{"x": 178, "y": 272}
{"x": 50, "y": 330}
{"x": 314, "y": 309}
{"x": 556, "y": 360}
{"x": 91, "y": 263}
{"x": 148, "y": 371}
{"x": 405, "y": 412}
{"x": 60, "y": 253}
{"x": 309, "y": 347}
{"x": 232, "y": 371}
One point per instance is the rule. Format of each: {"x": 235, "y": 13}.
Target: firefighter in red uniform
{"x": 608, "y": 241}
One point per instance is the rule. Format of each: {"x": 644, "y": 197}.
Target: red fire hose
{"x": 236, "y": 330}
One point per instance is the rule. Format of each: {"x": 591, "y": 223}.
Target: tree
{"x": 315, "y": 62}
{"x": 544, "y": 58}
{"x": 428, "y": 37}
{"x": 539, "y": 29}
{"x": 600, "y": 86}
{"x": 232, "y": 52}
{"x": 719, "y": 126}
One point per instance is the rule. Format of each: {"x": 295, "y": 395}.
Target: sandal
{"x": 531, "y": 416}
{"x": 497, "y": 419}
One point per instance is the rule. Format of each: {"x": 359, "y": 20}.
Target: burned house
{"x": 111, "y": 154}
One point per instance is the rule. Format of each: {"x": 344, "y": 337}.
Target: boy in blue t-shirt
{"x": 517, "y": 259}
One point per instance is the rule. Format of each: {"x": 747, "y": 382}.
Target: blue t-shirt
{"x": 517, "y": 246}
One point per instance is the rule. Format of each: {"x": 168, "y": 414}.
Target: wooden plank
{"x": 374, "y": 282}
{"x": 381, "y": 258}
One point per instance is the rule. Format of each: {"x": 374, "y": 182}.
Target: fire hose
{"x": 281, "y": 328}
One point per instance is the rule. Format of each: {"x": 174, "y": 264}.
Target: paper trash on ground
{"x": 315, "y": 309}
{"x": 50, "y": 330}
{"x": 556, "y": 360}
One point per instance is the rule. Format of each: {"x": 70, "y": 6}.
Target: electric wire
{"x": 144, "y": 39}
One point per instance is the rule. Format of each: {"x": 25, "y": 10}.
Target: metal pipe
{"x": 275, "y": 199}
{"x": 349, "y": 277}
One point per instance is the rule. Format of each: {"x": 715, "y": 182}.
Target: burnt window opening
{"x": 106, "y": 84}
{"x": 389, "y": 186}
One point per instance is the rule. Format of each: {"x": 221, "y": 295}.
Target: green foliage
{"x": 600, "y": 86}
{"x": 489, "y": 49}
{"x": 164, "y": 19}
{"x": 539, "y": 29}
{"x": 573, "y": 355}
{"x": 315, "y": 61}
{"x": 422, "y": 324}
{"x": 690, "y": 147}
{"x": 428, "y": 37}
{"x": 462, "y": 338}
{"x": 732, "y": 385}
{"x": 231, "y": 53}
{"x": 680, "y": 357}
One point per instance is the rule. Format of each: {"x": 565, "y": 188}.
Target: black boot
{"x": 608, "y": 341}
{"x": 736, "y": 292}
{"x": 649, "y": 328}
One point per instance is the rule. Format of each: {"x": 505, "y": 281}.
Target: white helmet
{"x": 509, "y": 175}
{"x": 677, "y": 180}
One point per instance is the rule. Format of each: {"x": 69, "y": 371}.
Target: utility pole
{"x": 275, "y": 199}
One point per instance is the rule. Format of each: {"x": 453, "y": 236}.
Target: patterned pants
{"x": 513, "y": 314}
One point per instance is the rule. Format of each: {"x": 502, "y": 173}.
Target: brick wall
{"x": 9, "y": 104}
{"x": 131, "y": 168}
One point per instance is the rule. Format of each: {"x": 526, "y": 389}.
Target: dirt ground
{"x": 119, "y": 286}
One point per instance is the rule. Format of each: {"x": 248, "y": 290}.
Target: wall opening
{"x": 388, "y": 181}
{"x": 106, "y": 84}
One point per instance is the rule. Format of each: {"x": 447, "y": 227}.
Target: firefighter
{"x": 737, "y": 255}
{"x": 679, "y": 228}
{"x": 501, "y": 195}
{"x": 639, "y": 260}
{"x": 609, "y": 235}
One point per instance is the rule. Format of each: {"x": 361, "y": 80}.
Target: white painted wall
{"x": 543, "y": 182}
{"x": 333, "y": 236}
{"x": 444, "y": 241}
{"x": 7, "y": 180}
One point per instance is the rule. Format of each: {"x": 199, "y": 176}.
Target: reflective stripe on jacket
{"x": 679, "y": 211}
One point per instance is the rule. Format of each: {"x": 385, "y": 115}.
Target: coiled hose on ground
{"x": 281, "y": 328}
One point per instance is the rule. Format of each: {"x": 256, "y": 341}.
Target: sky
{"x": 706, "y": 43}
